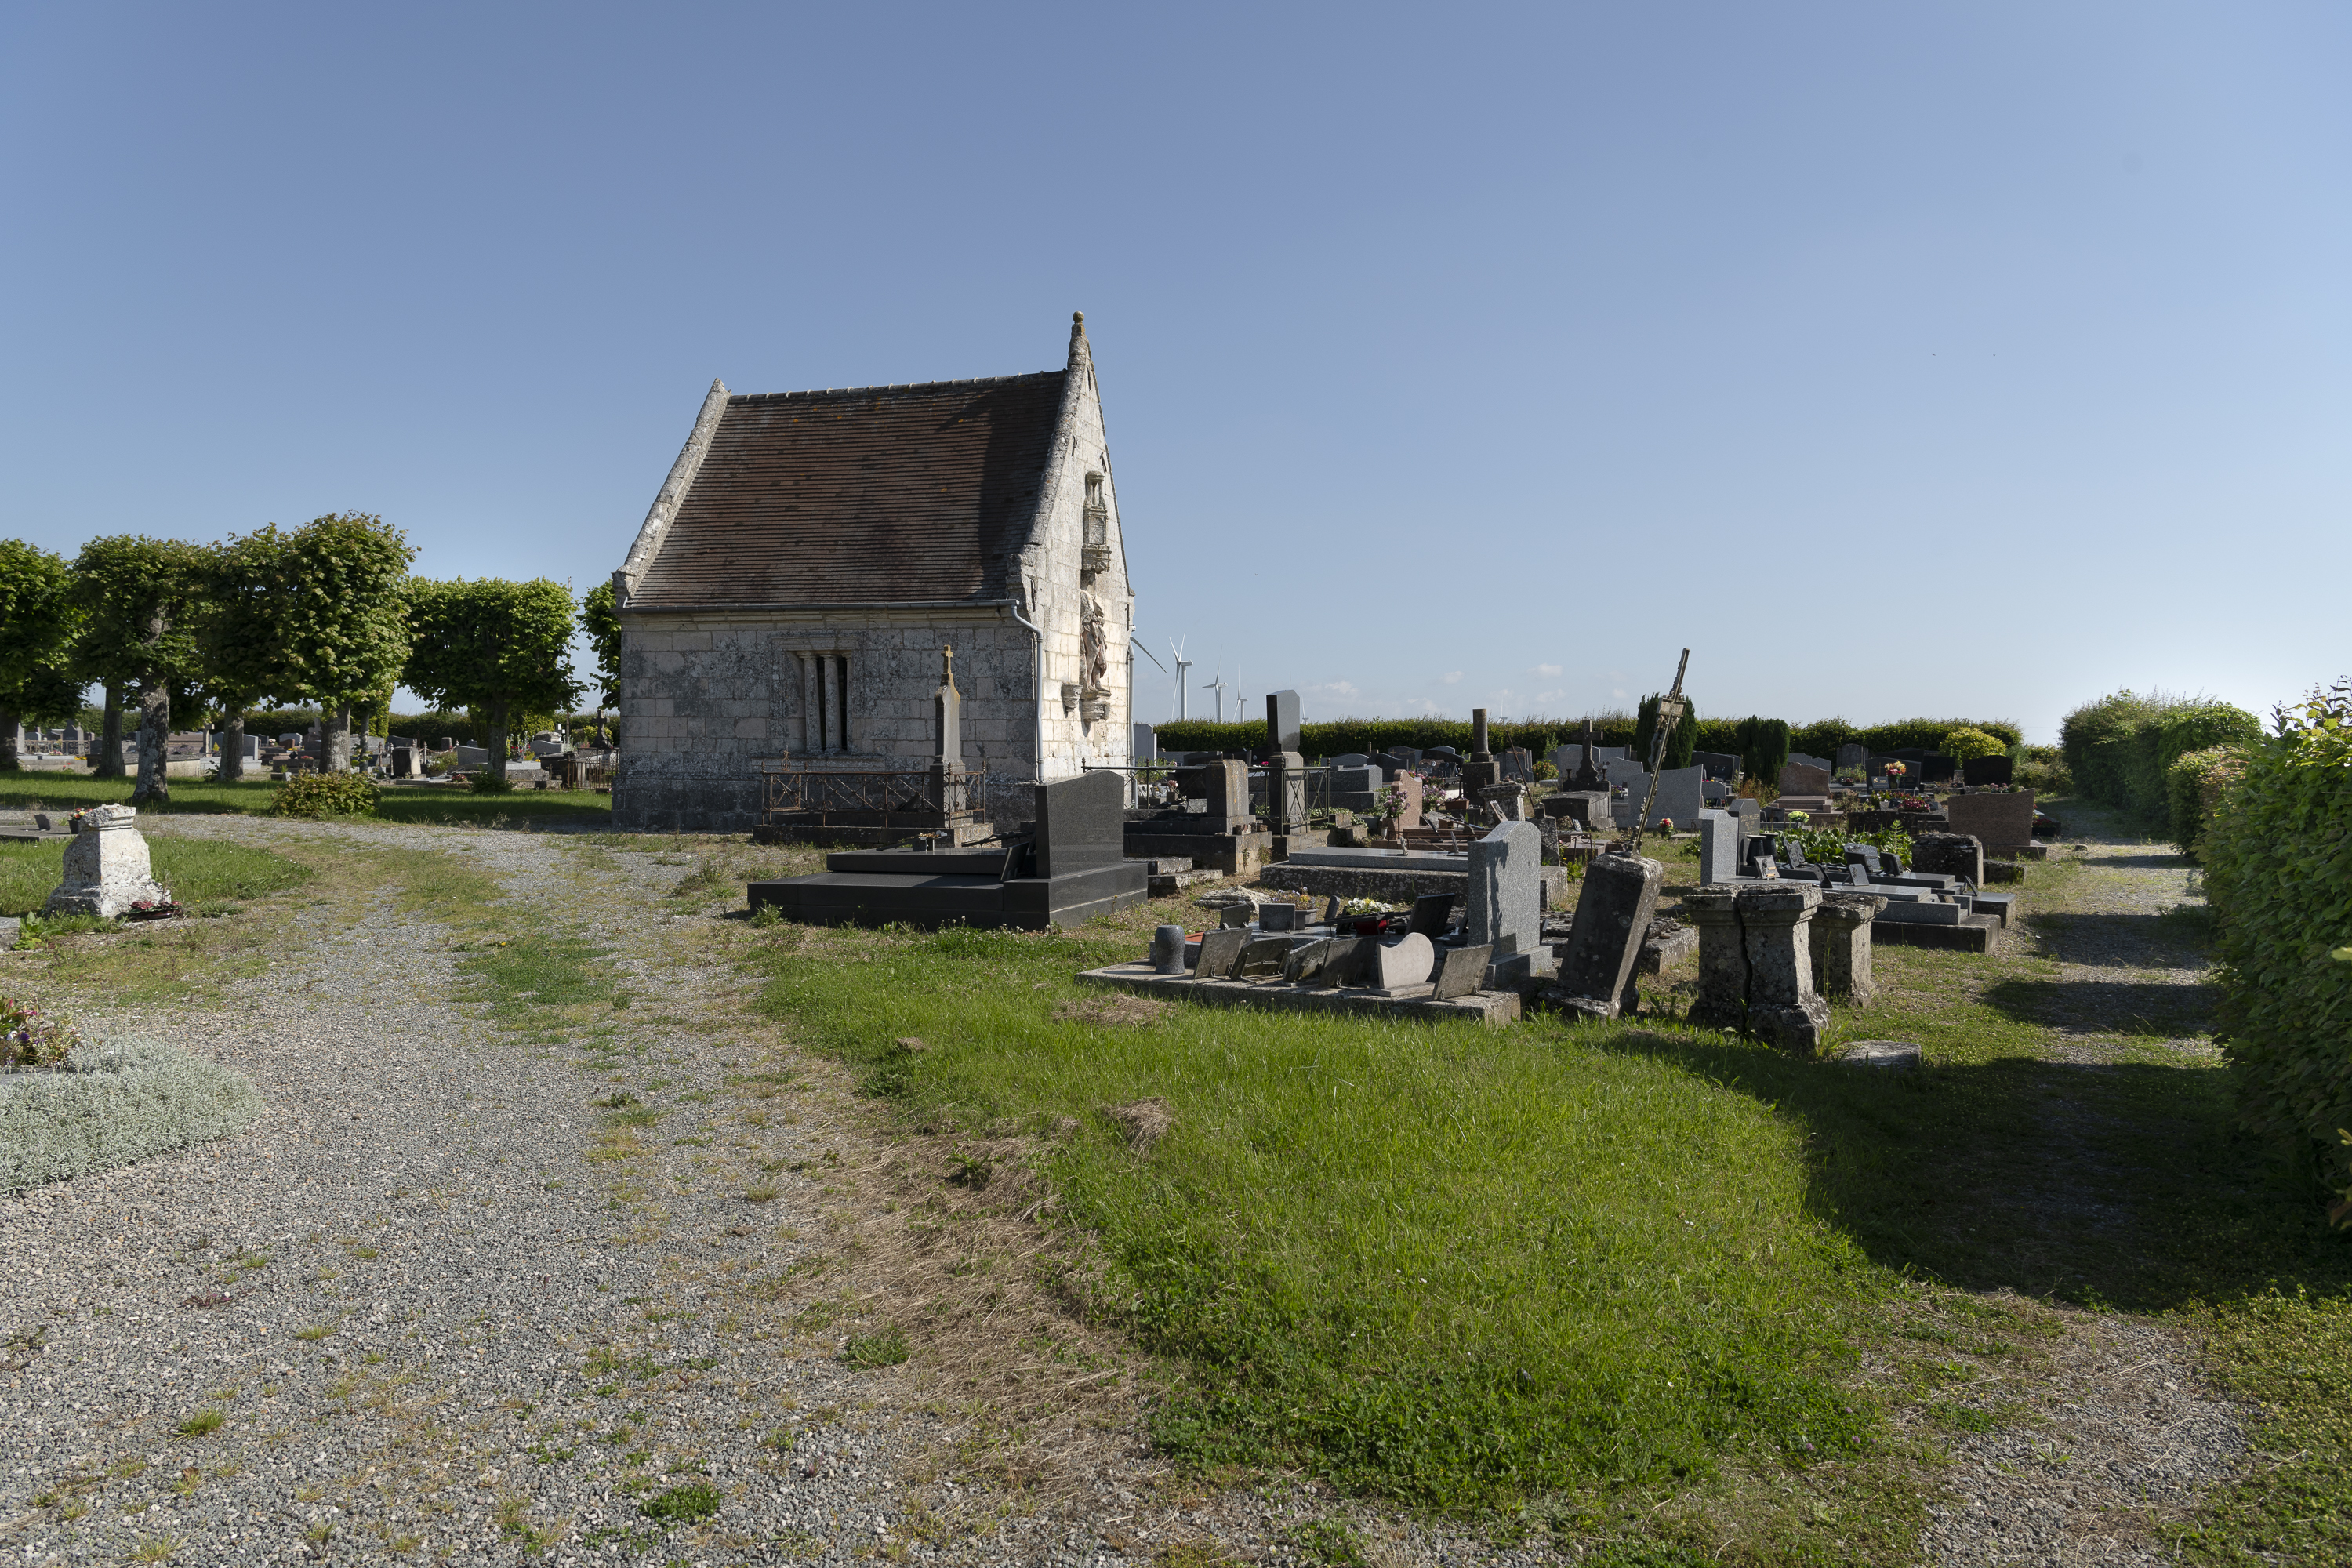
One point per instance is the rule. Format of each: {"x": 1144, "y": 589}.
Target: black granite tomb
{"x": 1072, "y": 870}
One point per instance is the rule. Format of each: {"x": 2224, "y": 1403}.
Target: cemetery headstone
{"x": 1277, "y": 914}
{"x": 1433, "y": 914}
{"x": 1612, "y": 918}
{"x": 2003, "y": 822}
{"x": 1400, "y": 963}
{"x": 1978, "y": 770}
{"x": 1719, "y": 765}
{"x": 1226, "y": 784}
{"x": 1949, "y": 855}
{"x": 1851, "y": 755}
{"x": 1144, "y": 742}
{"x": 1506, "y": 899}
{"x": 1221, "y": 952}
{"x": 1282, "y": 721}
{"x": 1460, "y": 970}
{"x": 1803, "y": 779}
{"x": 1678, "y": 797}
{"x": 1718, "y": 847}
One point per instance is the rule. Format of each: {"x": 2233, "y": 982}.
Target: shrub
{"x": 2042, "y": 769}
{"x": 2194, "y": 785}
{"x": 1763, "y": 746}
{"x": 325, "y": 795}
{"x": 490, "y": 783}
{"x": 1969, "y": 742}
{"x": 1679, "y": 745}
{"x": 30, "y": 1039}
{"x": 110, "y": 1105}
{"x": 2119, "y": 747}
{"x": 2279, "y": 872}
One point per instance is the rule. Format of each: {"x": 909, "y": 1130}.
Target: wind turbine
{"x": 1241, "y": 709}
{"x": 1219, "y": 687}
{"x": 1184, "y": 698}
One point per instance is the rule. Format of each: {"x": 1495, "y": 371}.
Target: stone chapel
{"x": 810, "y": 554}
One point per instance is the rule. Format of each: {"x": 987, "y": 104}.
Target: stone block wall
{"x": 704, "y": 700}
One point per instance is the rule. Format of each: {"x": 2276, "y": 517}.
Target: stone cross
{"x": 1670, "y": 716}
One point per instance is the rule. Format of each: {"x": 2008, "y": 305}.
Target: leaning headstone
{"x": 1431, "y": 914}
{"x": 1168, "y": 950}
{"x": 1612, "y": 917}
{"x": 1505, "y": 900}
{"x": 1221, "y": 952}
{"x": 1840, "y": 946}
{"x": 107, "y": 867}
{"x": 1460, "y": 970}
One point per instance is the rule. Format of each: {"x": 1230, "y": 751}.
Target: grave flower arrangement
{"x": 29, "y": 1038}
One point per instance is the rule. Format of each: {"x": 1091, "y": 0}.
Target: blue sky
{"x": 1925, "y": 359}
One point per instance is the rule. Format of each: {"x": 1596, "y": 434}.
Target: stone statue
{"x": 1094, "y": 647}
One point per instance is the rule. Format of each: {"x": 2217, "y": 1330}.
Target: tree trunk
{"x": 339, "y": 741}
{"x": 155, "y": 727}
{"x": 496, "y": 741}
{"x": 107, "y": 763}
{"x": 10, "y": 724}
{"x": 232, "y": 748}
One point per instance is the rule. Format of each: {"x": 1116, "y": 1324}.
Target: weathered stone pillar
{"x": 1840, "y": 946}
{"x": 1756, "y": 962}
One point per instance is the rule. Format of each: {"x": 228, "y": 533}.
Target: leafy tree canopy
{"x": 496, "y": 647}
{"x": 138, "y": 596}
{"x": 39, "y": 619}
{"x": 599, "y": 618}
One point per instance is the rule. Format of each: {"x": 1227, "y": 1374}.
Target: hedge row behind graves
{"x": 2120, "y": 747}
{"x": 2278, "y": 873}
{"x": 1821, "y": 738}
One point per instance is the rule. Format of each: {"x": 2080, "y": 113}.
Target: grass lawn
{"x": 1663, "y": 1286}
{"x": 201, "y": 875}
{"x": 52, "y": 791}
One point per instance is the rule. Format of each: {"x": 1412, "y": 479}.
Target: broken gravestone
{"x": 106, "y": 869}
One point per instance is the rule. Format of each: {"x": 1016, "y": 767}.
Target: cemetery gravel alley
{"x": 545, "y": 1249}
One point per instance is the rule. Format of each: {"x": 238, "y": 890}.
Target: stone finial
{"x": 1079, "y": 348}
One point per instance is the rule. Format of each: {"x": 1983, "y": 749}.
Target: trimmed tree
{"x": 38, "y": 620}
{"x": 600, "y": 617}
{"x": 1679, "y": 745}
{"x": 342, "y": 612}
{"x": 494, "y": 647}
{"x": 141, "y": 598}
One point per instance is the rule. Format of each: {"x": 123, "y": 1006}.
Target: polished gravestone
{"x": 1073, "y": 869}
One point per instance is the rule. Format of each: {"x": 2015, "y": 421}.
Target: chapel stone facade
{"x": 787, "y": 599}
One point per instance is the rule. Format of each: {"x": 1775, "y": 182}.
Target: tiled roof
{"x": 859, "y": 496}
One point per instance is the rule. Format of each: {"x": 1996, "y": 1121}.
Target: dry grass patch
{"x": 1113, "y": 1008}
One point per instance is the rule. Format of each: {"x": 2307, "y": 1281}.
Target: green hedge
{"x": 2195, "y": 785}
{"x": 1733, "y": 737}
{"x": 2278, "y": 871}
{"x": 2119, "y": 747}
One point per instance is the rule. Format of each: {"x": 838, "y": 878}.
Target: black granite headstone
{"x": 1431, "y": 914}
{"x": 1081, "y": 824}
{"x": 1987, "y": 770}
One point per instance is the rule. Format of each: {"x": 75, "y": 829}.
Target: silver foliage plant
{"x": 113, "y": 1104}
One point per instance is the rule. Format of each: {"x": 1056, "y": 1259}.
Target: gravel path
{"x": 445, "y": 1309}
{"x": 2122, "y": 1431}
